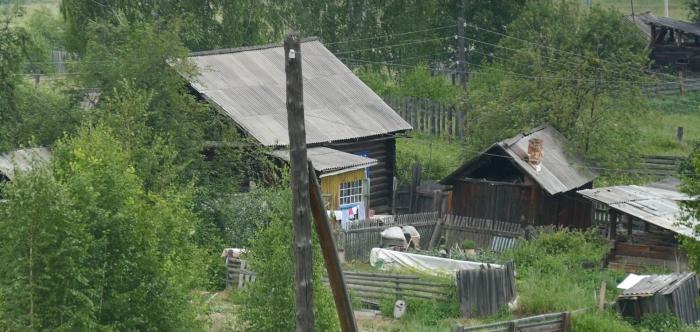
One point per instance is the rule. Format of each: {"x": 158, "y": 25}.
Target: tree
{"x": 691, "y": 185}
{"x": 579, "y": 70}
{"x": 271, "y": 257}
{"x": 88, "y": 248}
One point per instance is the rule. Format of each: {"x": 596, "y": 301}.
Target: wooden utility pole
{"x": 462, "y": 68}
{"x": 335, "y": 274}
{"x": 303, "y": 271}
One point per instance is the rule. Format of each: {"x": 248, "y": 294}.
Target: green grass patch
{"x": 437, "y": 156}
{"x": 676, "y": 8}
{"x": 658, "y": 131}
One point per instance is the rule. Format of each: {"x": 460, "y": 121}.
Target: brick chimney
{"x": 535, "y": 153}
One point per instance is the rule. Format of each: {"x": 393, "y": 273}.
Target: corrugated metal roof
{"x": 560, "y": 171}
{"x": 642, "y": 22}
{"x": 248, "y": 84}
{"x": 645, "y": 20}
{"x": 651, "y": 204}
{"x": 22, "y": 160}
{"x": 328, "y": 160}
{"x": 662, "y": 284}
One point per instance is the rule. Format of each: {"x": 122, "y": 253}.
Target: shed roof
{"x": 249, "y": 85}
{"x": 560, "y": 171}
{"x": 328, "y": 161}
{"x": 651, "y": 204}
{"x": 22, "y": 160}
{"x": 661, "y": 284}
{"x": 645, "y": 20}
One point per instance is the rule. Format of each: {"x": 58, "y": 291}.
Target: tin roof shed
{"x": 329, "y": 161}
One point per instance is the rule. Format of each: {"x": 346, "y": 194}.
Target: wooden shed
{"x": 675, "y": 294}
{"x": 643, "y": 224}
{"x": 528, "y": 179}
{"x": 247, "y": 85}
{"x": 673, "y": 43}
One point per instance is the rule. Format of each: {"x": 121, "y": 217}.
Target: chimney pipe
{"x": 535, "y": 153}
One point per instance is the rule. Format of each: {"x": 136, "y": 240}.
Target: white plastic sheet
{"x": 631, "y": 280}
{"x": 433, "y": 265}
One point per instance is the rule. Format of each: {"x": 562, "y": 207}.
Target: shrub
{"x": 269, "y": 301}
{"x": 468, "y": 244}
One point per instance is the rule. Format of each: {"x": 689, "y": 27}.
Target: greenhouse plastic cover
{"x": 434, "y": 265}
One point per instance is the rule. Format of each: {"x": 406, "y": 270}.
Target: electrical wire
{"x": 390, "y": 35}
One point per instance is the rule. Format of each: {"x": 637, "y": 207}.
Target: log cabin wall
{"x": 381, "y": 176}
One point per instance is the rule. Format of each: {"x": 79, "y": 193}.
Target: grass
{"x": 437, "y": 156}
{"x": 658, "y": 131}
{"x": 676, "y": 8}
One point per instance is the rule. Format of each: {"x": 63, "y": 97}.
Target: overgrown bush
{"x": 269, "y": 301}
{"x": 437, "y": 157}
{"x": 550, "y": 275}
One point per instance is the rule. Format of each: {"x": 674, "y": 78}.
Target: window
{"x": 351, "y": 192}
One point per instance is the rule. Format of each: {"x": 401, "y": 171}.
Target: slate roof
{"x": 560, "y": 171}
{"x": 248, "y": 85}
{"x": 22, "y": 160}
{"x": 328, "y": 161}
{"x": 650, "y": 203}
{"x": 662, "y": 284}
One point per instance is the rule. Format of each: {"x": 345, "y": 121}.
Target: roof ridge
{"x": 247, "y": 48}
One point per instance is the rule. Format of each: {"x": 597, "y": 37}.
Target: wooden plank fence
{"x": 661, "y": 165}
{"x": 237, "y": 273}
{"x": 485, "y": 291}
{"x": 555, "y": 322}
{"x": 486, "y": 233}
{"x": 364, "y": 235}
{"x": 428, "y": 116}
{"x": 374, "y": 287}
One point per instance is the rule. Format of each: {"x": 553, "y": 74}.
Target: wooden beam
{"x": 303, "y": 267}
{"x": 330, "y": 256}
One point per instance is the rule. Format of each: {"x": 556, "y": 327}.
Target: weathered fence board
{"x": 483, "y": 292}
{"x": 427, "y": 116}
{"x": 486, "y": 233}
{"x": 378, "y": 286}
{"x": 237, "y": 273}
{"x": 364, "y": 235}
{"x": 556, "y": 322}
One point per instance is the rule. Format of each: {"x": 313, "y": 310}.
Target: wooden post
{"x": 463, "y": 75}
{"x": 330, "y": 256}
{"x": 601, "y": 296}
{"x": 437, "y": 206}
{"x": 415, "y": 182}
{"x": 303, "y": 271}
{"x": 566, "y": 322}
{"x": 630, "y": 224}
{"x": 681, "y": 83}
{"x": 612, "y": 230}
{"x": 679, "y": 134}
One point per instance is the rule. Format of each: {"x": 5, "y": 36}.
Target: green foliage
{"x": 468, "y": 244}
{"x": 600, "y": 321}
{"x": 660, "y": 322}
{"x": 550, "y": 274}
{"x": 437, "y": 157}
{"x": 421, "y": 84}
{"x": 574, "y": 68}
{"x": 269, "y": 302}
{"x": 110, "y": 255}
{"x": 691, "y": 186}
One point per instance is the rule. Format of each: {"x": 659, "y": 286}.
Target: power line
{"x": 395, "y": 45}
{"x": 386, "y": 36}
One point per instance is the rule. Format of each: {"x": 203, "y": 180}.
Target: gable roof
{"x": 249, "y": 86}
{"x": 22, "y": 160}
{"x": 652, "y": 204}
{"x": 560, "y": 171}
{"x": 329, "y": 161}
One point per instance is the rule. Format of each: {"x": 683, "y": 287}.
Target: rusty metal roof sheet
{"x": 248, "y": 85}
{"x": 654, "y": 205}
{"x": 662, "y": 284}
{"x": 327, "y": 160}
{"x": 560, "y": 171}
{"x": 22, "y": 160}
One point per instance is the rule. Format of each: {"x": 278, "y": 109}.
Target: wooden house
{"x": 643, "y": 224}
{"x": 674, "y": 43}
{"x": 342, "y": 114}
{"x": 528, "y": 179}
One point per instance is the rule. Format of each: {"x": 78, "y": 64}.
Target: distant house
{"x": 349, "y": 129}
{"x": 528, "y": 179}
{"x": 673, "y": 43}
{"x": 644, "y": 223}
{"x": 21, "y": 160}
